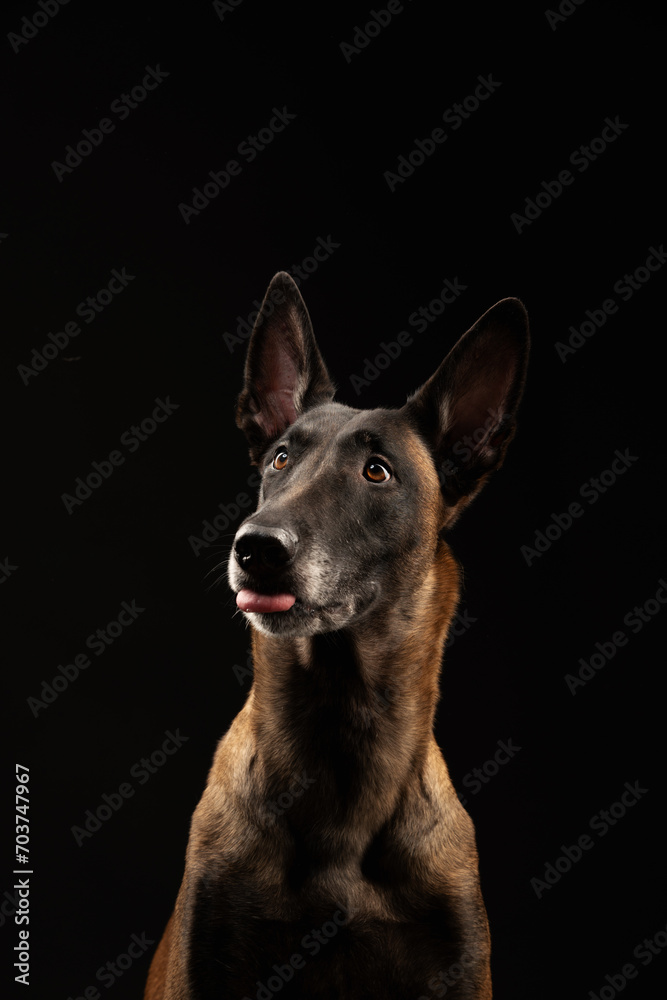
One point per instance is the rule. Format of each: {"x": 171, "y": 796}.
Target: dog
{"x": 329, "y": 857}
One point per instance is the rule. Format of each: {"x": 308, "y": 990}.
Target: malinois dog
{"x": 330, "y": 856}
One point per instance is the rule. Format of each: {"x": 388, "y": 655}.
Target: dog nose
{"x": 257, "y": 547}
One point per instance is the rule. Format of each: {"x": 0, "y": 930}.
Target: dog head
{"x": 352, "y": 502}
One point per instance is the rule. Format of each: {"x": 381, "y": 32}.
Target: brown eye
{"x": 375, "y": 472}
{"x": 280, "y": 459}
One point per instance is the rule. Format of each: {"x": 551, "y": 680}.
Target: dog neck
{"x": 353, "y": 710}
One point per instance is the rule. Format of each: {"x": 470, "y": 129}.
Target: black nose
{"x": 260, "y": 548}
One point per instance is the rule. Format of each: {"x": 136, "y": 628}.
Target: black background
{"x": 163, "y": 336}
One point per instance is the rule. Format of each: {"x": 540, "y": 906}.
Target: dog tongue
{"x": 250, "y": 600}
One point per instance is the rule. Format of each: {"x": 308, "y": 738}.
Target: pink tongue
{"x": 249, "y": 600}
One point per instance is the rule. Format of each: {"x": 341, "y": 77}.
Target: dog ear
{"x": 284, "y": 371}
{"x": 466, "y": 410}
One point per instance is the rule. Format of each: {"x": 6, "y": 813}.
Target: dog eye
{"x": 280, "y": 459}
{"x": 375, "y": 472}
